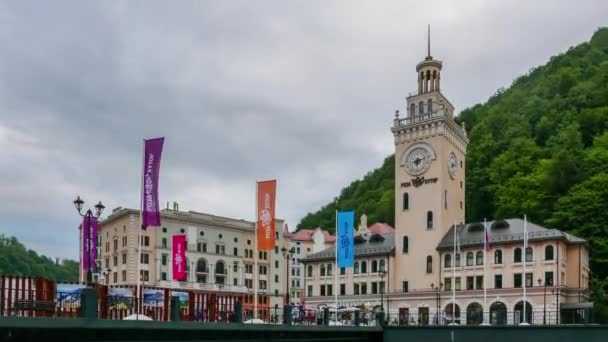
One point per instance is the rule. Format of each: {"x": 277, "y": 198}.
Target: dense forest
{"x": 538, "y": 147}
{"x": 15, "y": 259}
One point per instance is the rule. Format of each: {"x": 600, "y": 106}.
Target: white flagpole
{"x": 454, "y": 280}
{"x": 524, "y": 321}
{"x": 255, "y": 255}
{"x": 485, "y": 274}
{"x": 141, "y": 220}
{"x": 336, "y": 270}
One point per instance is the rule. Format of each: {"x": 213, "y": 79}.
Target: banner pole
{"x": 336, "y": 270}
{"x": 141, "y": 217}
{"x": 255, "y": 255}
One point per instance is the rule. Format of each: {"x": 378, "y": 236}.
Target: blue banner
{"x": 345, "y": 241}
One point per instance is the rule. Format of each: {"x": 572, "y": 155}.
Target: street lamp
{"x": 287, "y": 255}
{"x": 382, "y": 274}
{"x": 78, "y": 204}
{"x": 556, "y": 292}
{"x": 438, "y": 300}
{"x": 544, "y": 301}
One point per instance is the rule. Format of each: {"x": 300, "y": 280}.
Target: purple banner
{"x": 86, "y": 232}
{"x": 150, "y": 211}
{"x": 93, "y": 242}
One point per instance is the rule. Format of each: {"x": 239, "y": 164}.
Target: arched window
{"x": 447, "y": 260}
{"x": 517, "y": 255}
{"x": 452, "y": 316}
{"x": 429, "y": 219}
{"x": 474, "y": 314}
{"x": 498, "y": 256}
{"x": 406, "y": 244}
{"x": 382, "y": 266}
{"x": 429, "y": 106}
{"x": 201, "y": 266}
{"x": 429, "y": 264}
{"x": 363, "y": 266}
{"x": 457, "y": 260}
{"x": 356, "y": 268}
{"x": 310, "y": 270}
{"x": 470, "y": 258}
{"x": 406, "y": 201}
{"x": 412, "y": 110}
{"x": 529, "y": 256}
{"x": 549, "y": 252}
{"x": 519, "y": 314}
{"x": 479, "y": 258}
{"x": 374, "y": 266}
{"x": 322, "y": 272}
{"x": 498, "y": 313}
{"x": 329, "y": 269}
{"x": 420, "y": 107}
{"x": 219, "y": 268}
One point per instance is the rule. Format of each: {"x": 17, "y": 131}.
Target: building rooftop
{"x": 306, "y": 235}
{"x": 503, "y": 231}
{"x": 377, "y": 244}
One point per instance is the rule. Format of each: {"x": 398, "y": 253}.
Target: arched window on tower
{"x": 406, "y": 244}
{"x": 412, "y": 110}
{"x": 429, "y": 264}
{"x": 429, "y": 219}
{"x": 429, "y": 106}
{"x": 420, "y": 107}
{"x": 549, "y": 252}
{"x": 479, "y": 258}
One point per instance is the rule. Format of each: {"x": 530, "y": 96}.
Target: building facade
{"x": 422, "y": 267}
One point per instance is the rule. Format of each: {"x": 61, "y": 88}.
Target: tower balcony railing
{"x": 409, "y": 120}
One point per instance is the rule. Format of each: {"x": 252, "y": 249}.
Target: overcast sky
{"x": 300, "y": 91}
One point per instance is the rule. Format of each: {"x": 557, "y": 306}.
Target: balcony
{"x": 419, "y": 118}
{"x": 186, "y": 285}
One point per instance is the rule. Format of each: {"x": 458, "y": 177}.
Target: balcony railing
{"x": 419, "y": 118}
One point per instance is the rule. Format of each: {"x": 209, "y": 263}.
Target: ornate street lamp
{"x": 438, "y": 300}
{"x": 287, "y": 255}
{"x": 99, "y": 207}
{"x": 544, "y": 301}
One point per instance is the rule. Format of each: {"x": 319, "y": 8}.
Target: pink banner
{"x": 179, "y": 257}
{"x": 153, "y": 150}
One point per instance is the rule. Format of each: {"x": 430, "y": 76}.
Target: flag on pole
{"x": 93, "y": 242}
{"x": 86, "y": 251}
{"x": 178, "y": 252}
{"x": 153, "y": 150}
{"x": 486, "y": 238}
{"x": 345, "y": 242}
{"x": 266, "y": 214}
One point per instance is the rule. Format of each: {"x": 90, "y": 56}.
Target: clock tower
{"x": 430, "y": 153}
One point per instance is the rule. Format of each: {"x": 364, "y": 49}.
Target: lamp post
{"x": 557, "y": 293}
{"x": 544, "y": 301}
{"x": 382, "y": 274}
{"x": 438, "y": 300}
{"x": 287, "y": 255}
{"x": 78, "y": 204}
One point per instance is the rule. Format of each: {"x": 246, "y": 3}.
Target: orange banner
{"x": 265, "y": 221}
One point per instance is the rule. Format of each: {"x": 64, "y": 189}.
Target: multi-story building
{"x": 302, "y": 244}
{"x": 421, "y": 266}
{"x": 219, "y": 256}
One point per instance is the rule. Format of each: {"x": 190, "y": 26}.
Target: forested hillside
{"x": 538, "y": 147}
{"x": 15, "y": 259}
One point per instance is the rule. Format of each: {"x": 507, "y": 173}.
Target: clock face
{"x": 452, "y": 165}
{"x": 417, "y": 161}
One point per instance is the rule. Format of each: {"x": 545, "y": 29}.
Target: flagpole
{"x": 486, "y": 247}
{"x": 454, "y": 280}
{"x": 524, "y": 321}
{"x": 336, "y": 270}
{"x": 255, "y": 255}
{"x": 141, "y": 217}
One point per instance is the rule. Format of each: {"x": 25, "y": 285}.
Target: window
{"x": 329, "y": 290}
{"x": 363, "y": 288}
{"x": 236, "y": 251}
{"x": 164, "y": 260}
{"x": 249, "y": 242}
{"x": 309, "y": 271}
{"x": 529, "y": 282}
{"x": 220, "y": 249}
{"x": 322, "y": 271}
{"x": 263, "y": 285}
{"x": 249, "y": 283}
{"x": 145, "y": 275}
{"x": 429, "y": 106}
{"x": 374, "y": 266}
{"x": 363, "y": 266}
{"x": 498, "y": 257}
{"x": 164, "y": 243}
{"x": 517, "y": 255}
{"x": 146, "y": 241}
{"x": 235, "y": 281}
{"x": 235, "y": 266}
{"x": 517, "y": 280}
{"x": 322, "y": 290}
{"x": 479, "y": 282}
{"x": 457, "y": 260}
{"x": 342, "y": 289}
{"x": 457, "y": 284}
{"x": 445, "y": 199}
{"x": 479, "y": 258}
{"x": 498, "y": 281}
{"x": 412, "y": 109}
{"x": 164, "y": 229}
{"x": 448, "y": 284}
{"x": 355, "y": 289}
{"x": 470, "y": 283}
{"x": 470, "y": 259}
{"x": 406, "y": 244}
{"x": 163, "y": 276}
{"x": 429, "y": 219}
{"x": 529, "y": 256}
{"x": 115, "y": 244}
{"x": 309, "y": 290}
{"x": 124, "y": 259}
{"x": 549, "y": 252}
{"x": 382, "y": 265}
{"x": 374, "y": 288}
{"x": 276, "y": 264}
{"x": 406, "y": 201}
{"x": 276, "y": 278}
{"x": 420, "y": 107}
{"x": 262, "y": 270}
{"x": 342, "y": 271}
{"x": 356, "y": 268}
{"x": 329, "y": 269}
{"x": 124, "y": 275}
{"x": 115, "y": 277}
{"x": 549, "y": 278}
{"x": 405, "y": 287}
{"x": 447, "y": 261}
{"x": 145, "y": 258}
{"x": 429, "y": 264}
{"x": 201, "y": 247}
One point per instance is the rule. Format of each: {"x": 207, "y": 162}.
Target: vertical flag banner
{"x": 345, "y": 241}
{"x": 179, "y": 257}
{"x": 93, "y": 242}
{"x": 265, "y": 212}
{"x": 86, "y": 255}
{"x": 153, "y": 149}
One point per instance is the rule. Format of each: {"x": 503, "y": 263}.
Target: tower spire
{"x": 429, "y": 41}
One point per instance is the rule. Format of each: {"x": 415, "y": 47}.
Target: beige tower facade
{"x": 430, "y": 151}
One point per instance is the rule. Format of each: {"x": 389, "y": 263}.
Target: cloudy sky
{"x": 300, "y": 91}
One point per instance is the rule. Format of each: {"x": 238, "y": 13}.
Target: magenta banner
{"x": 86, "y": 232}
{"x": 93, "y": 242}
{"x": 153, "y": 149}
{"x": 179, "y": 257}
